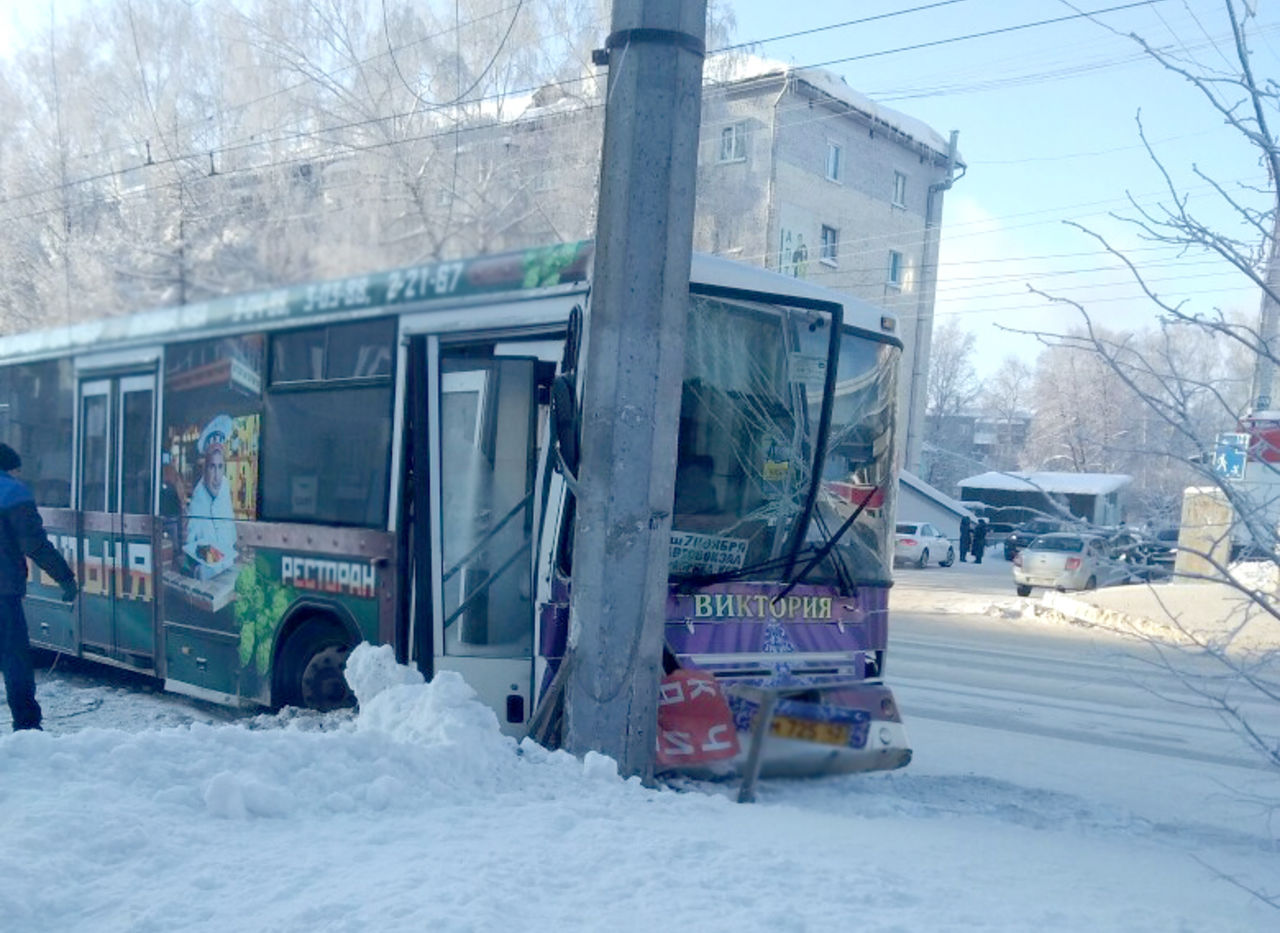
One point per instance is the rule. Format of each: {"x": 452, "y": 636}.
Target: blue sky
{"x": 1046, "y": 117}
{"x": 1047, "y": 125}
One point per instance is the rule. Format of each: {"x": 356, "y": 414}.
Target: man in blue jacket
{"x": 22, "y": 536}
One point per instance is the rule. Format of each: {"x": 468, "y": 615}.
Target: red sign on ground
{"x": 694, "y": 721}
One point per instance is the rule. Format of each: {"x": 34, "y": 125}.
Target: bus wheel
{"x": 311, "y": 668}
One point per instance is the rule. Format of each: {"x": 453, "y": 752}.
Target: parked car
{"x": 1027, "y": 532}
{"x": 1144, "y": 558}
{"x": 1065, "y": 561}
{"x": 916, "y": 542}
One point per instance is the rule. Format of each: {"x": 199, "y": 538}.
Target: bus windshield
{"x": 858, "y": 476}
{"x": 750, "y": 411}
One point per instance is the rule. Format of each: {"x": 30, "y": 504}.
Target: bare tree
{"x": 1080, "y": 424}
{"x": 1184, "y": 402}
{"x": 952, "y": 390}
{"x": 1005, "y": 400}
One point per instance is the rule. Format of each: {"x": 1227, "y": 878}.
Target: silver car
{"x": 1063, "y": 561}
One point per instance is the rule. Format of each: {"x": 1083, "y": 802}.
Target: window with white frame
{"x": 830, "y": 245}
{"x": 895, "y": 268}
{"x": 899, "y": 189}
{"x": 733, "y": 143}
{"x": 835, "y": 162}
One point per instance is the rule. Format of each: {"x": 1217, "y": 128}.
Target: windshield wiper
{"x": 820, "y": 440}
{"x": 827, "y": 548}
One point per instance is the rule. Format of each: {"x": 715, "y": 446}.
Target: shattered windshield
{"x": 858, "y": 469}
{"x": 745, "y": 447}
{"x": 750, "y": 412}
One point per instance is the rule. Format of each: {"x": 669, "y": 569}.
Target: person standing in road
{"x": 979, "y": 540}
{"x": 21, "y": 536}
{"x": 966, "y": 537}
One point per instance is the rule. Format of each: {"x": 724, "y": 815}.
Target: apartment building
{"x": 796, "y": 172}
{"x": 800, "y": 173}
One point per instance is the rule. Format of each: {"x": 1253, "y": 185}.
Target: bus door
{"x": 473, "y": 612}
{"x": 116, "y": 485}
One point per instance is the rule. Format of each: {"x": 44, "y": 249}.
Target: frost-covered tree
{"x": 951, "y": 391}
{"x": 1005, "y": 400}
{"x": 163, "y": 151}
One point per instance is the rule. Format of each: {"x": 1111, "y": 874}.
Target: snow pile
{"x": 416, "y": 813}
{"x": 1259, "y": 575}
{"x": 394, "y": 700}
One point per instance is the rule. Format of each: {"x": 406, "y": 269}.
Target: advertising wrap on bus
{"x": 250, "y": 486}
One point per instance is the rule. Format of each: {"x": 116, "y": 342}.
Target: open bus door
{"x": 472, "y": 598}
{"x": 116, "y": 469}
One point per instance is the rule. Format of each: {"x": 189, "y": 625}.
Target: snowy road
{"x": 1083, "y": 712}
{"x": 1010, "y": 675}
{"x": 1050, "y": 790}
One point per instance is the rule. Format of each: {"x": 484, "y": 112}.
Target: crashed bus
{"x": 249, "y": 486}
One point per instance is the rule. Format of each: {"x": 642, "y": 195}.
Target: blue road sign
{"x": 1230, "y": 455}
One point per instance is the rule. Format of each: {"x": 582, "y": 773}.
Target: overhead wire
{"x": 238, "y": 145}
{"x": 358, "y": 148}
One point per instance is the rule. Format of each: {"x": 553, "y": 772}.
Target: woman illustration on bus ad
{"x": 210, "y": 545}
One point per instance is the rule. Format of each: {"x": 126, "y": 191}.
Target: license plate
{"x": 827, "y": 733}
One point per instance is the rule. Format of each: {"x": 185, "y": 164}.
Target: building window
{"x": 830, "y": 245}
{"x": 835, "y": 162}
{"x": 733, "y": 143}
{"x": 895, "y": 268}
{"x": 899, "y": 189}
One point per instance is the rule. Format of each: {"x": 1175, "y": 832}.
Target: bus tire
{"x": 311, "y": 665}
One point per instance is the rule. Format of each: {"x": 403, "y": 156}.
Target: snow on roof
{"x": 750, "y": 67}
{"x": 941, "y": 498}
{"x": 738, "y": 69}
{"x": 1080, "y": 484}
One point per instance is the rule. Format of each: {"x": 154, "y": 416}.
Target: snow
{"x": 747, "y": 67}
{"x": 1082, "y": 484}
{"x": 916, "y": 483}
{"x": 416, "y": 813}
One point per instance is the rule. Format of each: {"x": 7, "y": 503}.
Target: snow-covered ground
{"x": 139, "y": 811}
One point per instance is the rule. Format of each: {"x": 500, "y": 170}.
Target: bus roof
{"x": 522, "y": 273}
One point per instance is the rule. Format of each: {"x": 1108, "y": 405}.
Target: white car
{"x": 917, "y": 542}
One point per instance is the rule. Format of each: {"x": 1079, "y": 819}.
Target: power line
{"x": 984, "y": 34}
{"x": 236, "y": 146}
{"x": 318, "y": 135}
{"x": 828, "y": 28}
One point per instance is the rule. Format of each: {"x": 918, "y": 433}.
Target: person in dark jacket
{"x": 22, "y": 536}
{"x": 966, "y": 537}
{"x": 979, "y": 540}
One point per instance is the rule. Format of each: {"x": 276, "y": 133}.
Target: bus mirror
{"x": 564, "y": 422}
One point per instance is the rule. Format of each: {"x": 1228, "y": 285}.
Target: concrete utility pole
{"x": 633, "y": 365}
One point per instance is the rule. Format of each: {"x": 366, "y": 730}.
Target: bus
{"x": 250, "y": 486}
